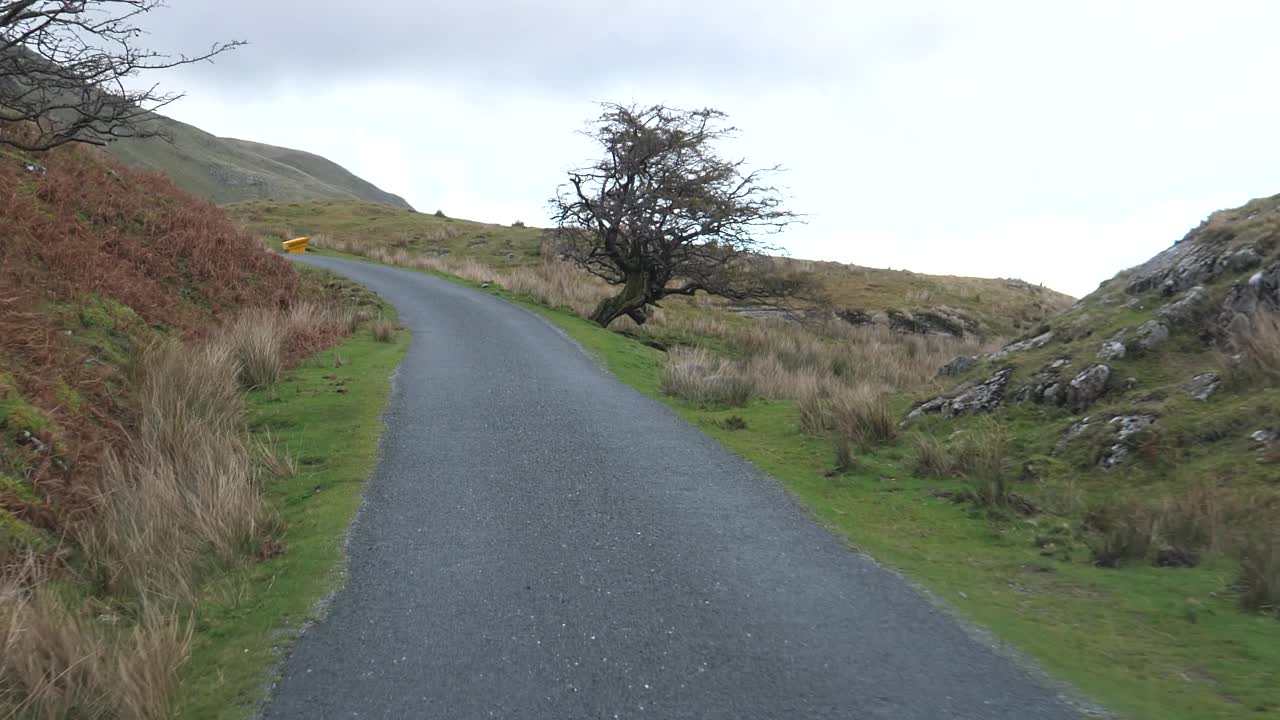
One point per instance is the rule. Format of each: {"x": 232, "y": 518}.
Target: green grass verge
{"x": 1148, "y": 643}
{"x": 327, "y": 413}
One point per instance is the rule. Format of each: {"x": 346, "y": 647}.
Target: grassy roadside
{"x": 327, "y": 415}
{"x": 1146, "y": 642}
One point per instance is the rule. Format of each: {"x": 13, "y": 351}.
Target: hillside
{"x": 227, "y": 170}
{"x": 898, "y": 299}
{"x": 152, "y": 379}
{"x": 97, "y": 261}
{"x": 1169, "y": 372}
{"x": 1070, "y": 491}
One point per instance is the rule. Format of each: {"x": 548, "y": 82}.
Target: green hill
{"x": 226, "y": 170}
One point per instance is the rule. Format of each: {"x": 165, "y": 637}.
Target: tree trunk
{"x": 630, "y": 301}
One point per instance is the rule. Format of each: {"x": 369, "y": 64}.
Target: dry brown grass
{"x": 1258, "y": 581}
{"x": 58, "y": 663}
{"x": 184, "y": 499}
{"x": 275, "y": 458}
{"x": 696, "y": 375}
{"x": 932, "y": 459}
{"x": 861, "y": 415}
{"x": 1256, "y": 340}
{"x": 383, "y": 330}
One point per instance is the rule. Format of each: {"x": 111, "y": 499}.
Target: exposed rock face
{"x": 957, "y": 366}
{"x": 983, "y": 397}
{"x": 1245, "y": 258}
{"x": 1187, "y": 264}
{"x": 1261, "y": 291}
{"x": 1188, "y": 310}
{"x": 1087, "y": 387}
{"x": 1112, "y": 350}
{"x": 1203, "y": 386}
{"x": 937, "y": 321}
{"x": 1034, "y": 343}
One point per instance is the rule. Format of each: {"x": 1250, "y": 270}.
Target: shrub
{"x": 518, "y": 224}
{"x": 814, "y": 410}
{"x": 1120, "y": 531}
{"x": 861, "y": 415}
{"x": 695, "y": 375}
{"x": 734, "y": 422}
{"x": 1258, "y": 581}
{"x": 256, "y": 337}
{"x": 383, "y": 330}
{"x": 931, "y": 457}
{"x": 275, "y": 459}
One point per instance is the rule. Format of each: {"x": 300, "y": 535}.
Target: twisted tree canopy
{"x": 663, "y": 214}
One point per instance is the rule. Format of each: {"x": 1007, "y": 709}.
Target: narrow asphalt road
{"x": 541, "y": 541}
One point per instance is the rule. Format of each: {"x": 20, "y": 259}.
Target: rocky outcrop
{"x": 980, "y": 398}
{"x": 1188, "y": 263}
{"x": 937, "y": 321}
{"x": 1087, "y": 387}
{"x": 1035, "y": 343}
{"x": 1046, "y": 386}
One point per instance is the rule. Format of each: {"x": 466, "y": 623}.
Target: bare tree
{"x": 64, "y": 66}
{"x": 662, "y": 214}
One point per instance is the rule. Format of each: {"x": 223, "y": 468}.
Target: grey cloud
{"x": 544, "y": 46}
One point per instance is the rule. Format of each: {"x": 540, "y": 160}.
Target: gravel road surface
{"x": 541, "y": 541}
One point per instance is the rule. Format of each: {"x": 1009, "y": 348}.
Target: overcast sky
{"x": 1057, "y": 143}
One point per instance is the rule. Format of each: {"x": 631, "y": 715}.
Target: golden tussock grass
{"x": 56, "y": 662}
{"x": 181, "y": 501}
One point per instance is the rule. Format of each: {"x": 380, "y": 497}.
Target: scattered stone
{"x": 983, "y": 397}
{"x": 957, "y": 366}
{"x": 1087, "y": 387}
{"x": 1060, "y": 363}
{"x": 34, "y": 168}
{"x": 1265, "y": 436}
{"x": 1203, "y": 386}
{"x": 1112, "y": 350}
{"x": 1076, "y": 429}
{"x": 484, "y": 285}
{"x": 1187, "y": 310}
{"x": 26, "y": 439}
{"x": 1034, "y": 343}
{"x": 1128, "y": 384}
{"x": 1151, "y": 335}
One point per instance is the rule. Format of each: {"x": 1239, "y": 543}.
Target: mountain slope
{"x": 227, "y": 170}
